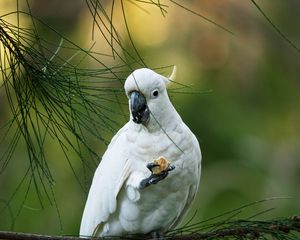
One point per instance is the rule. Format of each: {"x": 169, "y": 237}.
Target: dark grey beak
{"x": 138, "y": 106}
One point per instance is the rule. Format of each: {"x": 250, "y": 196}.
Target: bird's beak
{"x": 139, "y": 109}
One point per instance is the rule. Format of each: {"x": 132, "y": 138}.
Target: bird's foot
{"x": 158, "y": 172}
{"x": 153, "y": 165}
{"x": 157, "y": 235}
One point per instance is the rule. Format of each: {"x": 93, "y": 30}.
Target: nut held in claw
{"x": 163, "y": 165}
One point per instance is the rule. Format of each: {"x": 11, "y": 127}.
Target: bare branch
{"x": 286, "y": 228}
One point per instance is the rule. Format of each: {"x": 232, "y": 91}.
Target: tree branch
{"x": 286, "y": 228}
{"x": 29, "y": 236}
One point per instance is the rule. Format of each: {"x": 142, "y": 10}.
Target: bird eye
{"x": 155, "y": 93}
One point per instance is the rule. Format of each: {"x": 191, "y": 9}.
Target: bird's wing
{"x": 107, "y": 182}
{"x": 193, "y": 188}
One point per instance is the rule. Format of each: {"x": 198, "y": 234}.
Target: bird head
{"x": 147, "y": 94}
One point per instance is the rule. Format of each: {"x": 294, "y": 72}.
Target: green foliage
{"x": 61, "y": 103}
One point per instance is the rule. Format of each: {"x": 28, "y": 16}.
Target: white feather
{"x": 115, "y": 205}
{"x": 108, "y": 180}
{"x": 172, "y": 77}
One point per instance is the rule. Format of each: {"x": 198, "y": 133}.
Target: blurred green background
{"x": 247, "y": 124}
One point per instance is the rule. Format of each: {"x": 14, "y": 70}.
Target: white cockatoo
{"x": 127, "y": 196}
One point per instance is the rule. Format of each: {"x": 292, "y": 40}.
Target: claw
{"x": 152, "y": 165}
{"x": 170, "y": 168}
{"x": 155, "y": 178}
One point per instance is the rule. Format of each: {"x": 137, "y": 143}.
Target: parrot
{"x": 150, "y": 172}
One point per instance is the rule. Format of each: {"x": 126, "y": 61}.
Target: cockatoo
{"x": 150, "y": 172}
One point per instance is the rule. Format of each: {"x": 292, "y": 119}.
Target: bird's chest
{"x": 144, "y": 147}
{"x": 158, "y": 204}
{"x": 176, "y": 146}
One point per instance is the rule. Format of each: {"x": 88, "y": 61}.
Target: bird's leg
{"x": 157, "y": 235}
{"x": 155, "y": 178}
